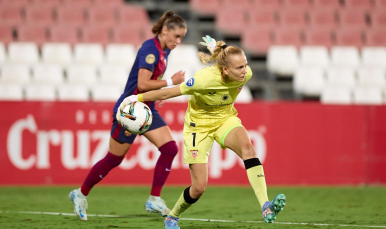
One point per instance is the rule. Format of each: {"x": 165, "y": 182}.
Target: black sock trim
{"x": 187, "y": 197}
{"x": 249, "y": 163}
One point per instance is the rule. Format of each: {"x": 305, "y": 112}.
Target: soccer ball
{"x": 136, "y": 117}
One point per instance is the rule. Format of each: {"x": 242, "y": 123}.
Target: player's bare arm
{"x": 162, "y": 94}
{"x": 146, "y": 84}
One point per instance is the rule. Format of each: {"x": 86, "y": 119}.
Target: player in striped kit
{"x": 146, "y": 75}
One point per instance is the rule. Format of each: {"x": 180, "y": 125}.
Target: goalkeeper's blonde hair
{"x": 221, "y": 54}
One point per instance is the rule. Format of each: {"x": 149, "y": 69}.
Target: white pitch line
{"x": 193, "y": 219}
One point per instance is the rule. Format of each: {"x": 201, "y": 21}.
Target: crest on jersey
{"x": 150, "y": 59}
{"x": 225, "y": 97}
{"x": 127, "y": 133}
{"x": 240, "y": 88}
{"x": 190, "y": 82}
{"x": 194, "y": 153}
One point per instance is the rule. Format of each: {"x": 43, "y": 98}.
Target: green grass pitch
{"x": 307, "y": 207}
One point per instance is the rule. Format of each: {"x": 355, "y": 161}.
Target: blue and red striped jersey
{"x": 150, "y": 56}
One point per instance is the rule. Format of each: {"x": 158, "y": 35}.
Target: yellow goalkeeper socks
{"x": 256, "y": 177}
{"x": 183, "y": 203}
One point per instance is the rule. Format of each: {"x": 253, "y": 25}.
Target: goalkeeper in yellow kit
{"x": 211, "y": 115}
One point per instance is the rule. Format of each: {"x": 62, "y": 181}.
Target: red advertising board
{"x": 298, "y": 143}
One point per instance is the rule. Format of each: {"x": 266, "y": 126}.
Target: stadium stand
{"x": 64, "y": 33}
{"x": 40, "y": 92}
{"x": 82, "y": 75}
{"x": 40, "y": 13}
{"x": 106, "y": 93}
{"x": 57, "y": 53}
{"x": 309, "y": 81}
{"x": 88, "y": 53}
{"x": 349, "y": 37}
{"x": 102, "y": 17}
{"x": 47, "y": 74}
{"x": 205, "y": 7}
{"x": 11, "y": 92}
{"x": 280, "y": 37}
{"x": 372, "y": 77}
{"x": 282, "y": 60}
{"x": 15, "y": 74}
{"x": 32, "y": 33}
{"x": 6, "y": 34}
{"x": 322, "y": 19}
{"x": 2, "y": 53}
{"x": 326, "y": 4}
{"x": 341, "y": 76}
{"x": 113, "y": 75}
{"x": 319, "y": 37}
{"x": 365, "y": 95}
{"x": 120, "y": 54}
{"x": 76, "y": 93}
{"x": 314, "y": 56}
{"x": 336, "y": 95}
{"x": 23, "y": 53}
{"x": 374, "y": 57}
{"x": 96, "y": 34}
{"x": 345, "y": 56}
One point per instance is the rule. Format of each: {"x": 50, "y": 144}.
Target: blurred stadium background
{"x": 315, "y": 107}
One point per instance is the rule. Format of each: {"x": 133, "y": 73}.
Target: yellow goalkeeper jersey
{"x": 211, "y": 101}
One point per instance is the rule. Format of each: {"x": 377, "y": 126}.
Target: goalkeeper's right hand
{"x": 210, "y": 43}
{"x": 124, "y": 103}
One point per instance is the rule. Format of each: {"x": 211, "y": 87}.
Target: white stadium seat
{"x": 341, "y": 76}
{"x": 89, "y": 54}
{"x": 345, "y": 56}
{"x": 314, "y": 56}
{"x": 57, "y": 53}
{"x": 309, "y": 81}
{"x": 173, "y": 69}
{"x": 371, "y": 77}
{"x": 68, "y": 92}
{"x": 114, "y": 75}
{"x": 121, "y": 54}
{"x": 23, "y": 53}
{"x": 11, "y": 92}
{"x": 245, "y": 95}
{"x": 47, "y": 74}
{"x": 15, "y": 74}
{"x": 282, "y": 60}
{"x": 368, "y": 95}
{"x": 2, "y": 53}
{"x": 82, "y": 74}
{"x": 374, "y": 56}
{"x": 336, "y": 95}
{"x": 38, "y": 92}
{"x": 106, "y": 93}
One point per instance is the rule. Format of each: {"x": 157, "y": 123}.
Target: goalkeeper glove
{"x": 210, "y": 43}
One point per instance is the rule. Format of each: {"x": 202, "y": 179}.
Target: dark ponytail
{"x": 170, "y": 20}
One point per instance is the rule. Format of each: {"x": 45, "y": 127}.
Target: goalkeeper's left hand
{"x": 210, "y": 43}
{"x": 124, "y": 103}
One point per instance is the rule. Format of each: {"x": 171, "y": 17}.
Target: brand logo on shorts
{"x": 190, "y": 82}
{"x": 127, "y": 133}
{"x": 194, "y": 153}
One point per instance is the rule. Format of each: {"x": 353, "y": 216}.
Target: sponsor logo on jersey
{"x": 225, "y": 97}
{"x": 190, "y": 82}
{"x": 194, "y": 153}
{"x": 212, "y": 93}
{"x": 150, "y": 59}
